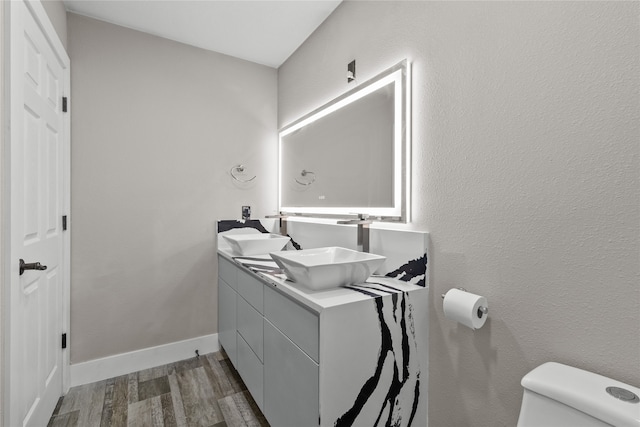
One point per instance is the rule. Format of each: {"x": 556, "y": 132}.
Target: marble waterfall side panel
{"x": 387, "y": 369}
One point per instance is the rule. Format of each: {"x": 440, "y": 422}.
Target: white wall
{"x": 525, "y": 163}
{"x": 156, "y": 126}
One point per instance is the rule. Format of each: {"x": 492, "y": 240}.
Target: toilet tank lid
{"x": 584, "y": 391}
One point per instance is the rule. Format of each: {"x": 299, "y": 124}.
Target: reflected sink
{"x": 325, "y": 268}
{"x": 256, "y": 244}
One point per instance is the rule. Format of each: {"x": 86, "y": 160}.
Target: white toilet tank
{"x": 557, "y": 395}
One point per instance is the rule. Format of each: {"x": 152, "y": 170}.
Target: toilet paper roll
{"x": 463, "y": 306}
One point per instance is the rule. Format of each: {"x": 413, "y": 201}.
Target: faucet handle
{"x": 362, "y": 219}
{"x": 276, "y": 216}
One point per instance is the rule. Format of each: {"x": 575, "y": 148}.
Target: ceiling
{"x": 262, "y": 31}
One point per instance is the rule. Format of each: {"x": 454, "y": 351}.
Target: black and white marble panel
{"x": 386, "y": 372}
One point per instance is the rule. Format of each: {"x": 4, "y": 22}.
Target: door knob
{"x": 31, "y": 266}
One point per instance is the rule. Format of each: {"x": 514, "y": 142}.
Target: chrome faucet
{"x": 362, "y": 222}
{"x": 283, "y": 222}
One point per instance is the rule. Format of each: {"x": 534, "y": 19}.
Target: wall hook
{"x": 304, "y": 173}
{"x": 239, "y": 169}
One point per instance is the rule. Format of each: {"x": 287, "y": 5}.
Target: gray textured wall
{"x": 525, "y": 163}
{"x": 156, "y": 126}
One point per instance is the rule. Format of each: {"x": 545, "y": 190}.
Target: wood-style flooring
{"x": 205, "y": 391}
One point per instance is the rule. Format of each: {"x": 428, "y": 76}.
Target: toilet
{"x": 557, "y": 395}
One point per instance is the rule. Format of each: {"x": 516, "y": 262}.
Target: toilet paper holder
{"x": 481, "y": 310}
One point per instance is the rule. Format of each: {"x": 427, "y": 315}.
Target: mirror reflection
{"x": 349, "y": 155}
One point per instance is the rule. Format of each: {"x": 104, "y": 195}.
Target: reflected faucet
{"x": 362, "y": 222}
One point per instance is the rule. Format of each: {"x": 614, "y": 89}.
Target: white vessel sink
{"x": 325, "y": 268}
{"x": 256, "y": 244}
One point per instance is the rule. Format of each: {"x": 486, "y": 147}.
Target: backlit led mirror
{"x": 350, "y": 155}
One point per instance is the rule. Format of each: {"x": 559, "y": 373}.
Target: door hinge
{"x": 64, "y": 340}
{"x": 64, "y": 222}
{"x": 64, "y": 104}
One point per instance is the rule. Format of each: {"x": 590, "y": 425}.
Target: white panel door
{"x": 37, "y": 146}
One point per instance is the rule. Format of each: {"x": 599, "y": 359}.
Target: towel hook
{"x": 239, "y": 169}
{"x": 305, "y": 173}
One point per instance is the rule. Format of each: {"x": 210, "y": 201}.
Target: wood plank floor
{"x": 205, "y": 391}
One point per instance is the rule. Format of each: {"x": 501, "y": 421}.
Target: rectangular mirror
{"x": 350, "y": 155}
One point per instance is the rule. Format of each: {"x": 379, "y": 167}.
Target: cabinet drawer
{"x": 227, "y": 271}
{"x": 227, "y": 319}
{"x": 251, "y": 289}
{"x": 291, "y": 382}
{"x": 250, "y": 326}
{"x": 250, "y": 369}
{"x": 296, "y": 322}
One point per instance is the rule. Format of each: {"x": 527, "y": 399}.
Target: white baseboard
{"x": 125, "y": 363}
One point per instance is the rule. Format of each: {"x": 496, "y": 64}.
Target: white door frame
{"x": 6, "y": 257}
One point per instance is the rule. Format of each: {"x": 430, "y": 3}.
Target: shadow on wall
{"x": 468, "y": 358}
{"x": 471, "y": 365}
{"x": 199, "y": 278}
{"x": 179, "y": 300}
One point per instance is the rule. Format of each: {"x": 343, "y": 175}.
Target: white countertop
{"x": 317, "y": 301}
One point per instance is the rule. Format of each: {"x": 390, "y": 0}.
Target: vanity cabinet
{"x": 331, "y": 358}
{"x": 273, "y": 344}
{"x": 240, "y": 324}
{"x": 250, "y": 335}
{"x": 227, "y": 300}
